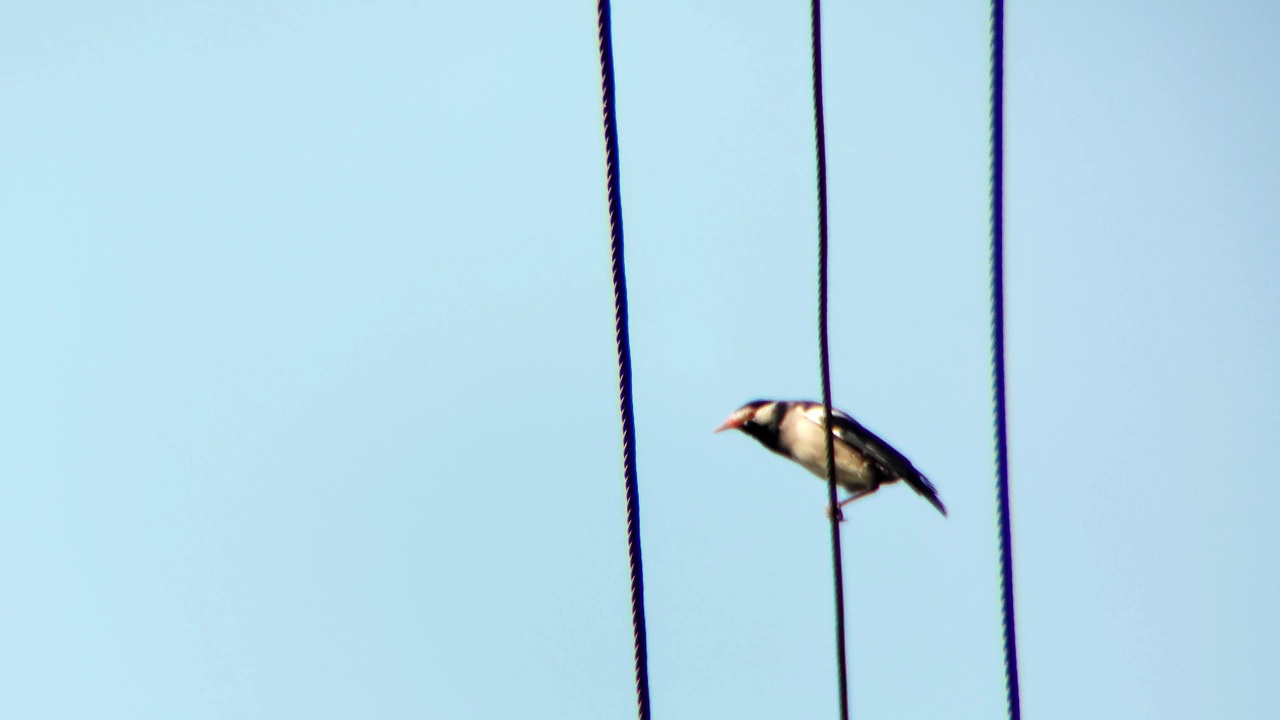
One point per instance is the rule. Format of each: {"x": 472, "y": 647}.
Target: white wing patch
{"x": 815, "y": 415}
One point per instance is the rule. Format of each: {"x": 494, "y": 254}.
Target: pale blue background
{"x": 309, "y": 396}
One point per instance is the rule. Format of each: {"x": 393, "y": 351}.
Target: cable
{"x": 623, "y": 342}
{"x": 997, "y": 361}
{"x": 837, "y": 563}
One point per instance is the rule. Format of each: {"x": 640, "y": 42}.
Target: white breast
{"x": 807, "y": 447}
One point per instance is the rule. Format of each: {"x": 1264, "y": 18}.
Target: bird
{"x": 864, "y": 462}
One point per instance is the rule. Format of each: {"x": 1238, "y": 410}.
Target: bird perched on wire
{"x": 864, "y": 462}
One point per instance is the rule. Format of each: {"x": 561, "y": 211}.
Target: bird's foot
{"x": 836, "y": 512}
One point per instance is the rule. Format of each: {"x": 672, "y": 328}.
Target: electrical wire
{"x": 837, "y": 563}
{"x": 1007, "y": 614}
{"x": 623, "y": 342}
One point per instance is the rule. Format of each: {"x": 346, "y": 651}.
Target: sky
{"x": 309, "y": 386}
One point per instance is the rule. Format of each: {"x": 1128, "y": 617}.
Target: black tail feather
{"x": 926, "y": 490}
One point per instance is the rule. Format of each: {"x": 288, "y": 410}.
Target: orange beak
{"x": 734, "y": 422}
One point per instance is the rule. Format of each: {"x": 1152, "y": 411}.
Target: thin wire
{"x": 823, "y": 351}
{"x": 623, "y": 341}
{"x": 997, "y": 361}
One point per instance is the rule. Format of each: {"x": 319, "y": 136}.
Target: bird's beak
{"x": 734, "y": 422}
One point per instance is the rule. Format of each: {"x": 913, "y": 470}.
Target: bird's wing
{"x": 855, "y": 434}
{"x": 851, "y": 431}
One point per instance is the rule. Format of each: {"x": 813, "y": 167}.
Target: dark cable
{"x": 823, "y": 351}
{"x": 997, "y": 360}
{"x": 624, "y": 358}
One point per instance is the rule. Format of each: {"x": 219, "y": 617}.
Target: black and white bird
{"x": 864, "y": 462}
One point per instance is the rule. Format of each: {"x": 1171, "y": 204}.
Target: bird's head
{"x": 754, "y": 417}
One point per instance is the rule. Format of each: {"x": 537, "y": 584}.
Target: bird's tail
{"x": 926, "y": 490}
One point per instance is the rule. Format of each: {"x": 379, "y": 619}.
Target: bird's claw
{"x": 838, "y": 513}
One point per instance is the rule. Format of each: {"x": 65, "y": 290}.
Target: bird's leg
{"x": 838, "y": 512}
{"x": 855, "y": 496}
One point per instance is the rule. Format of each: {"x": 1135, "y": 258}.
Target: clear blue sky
{"x": 309, "y": 396}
